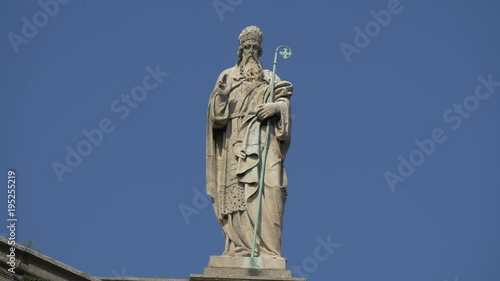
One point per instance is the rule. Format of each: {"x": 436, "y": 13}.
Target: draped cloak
{"x": 234, "y": 145}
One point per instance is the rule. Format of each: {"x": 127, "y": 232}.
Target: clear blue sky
{"x": 357, "y": 109}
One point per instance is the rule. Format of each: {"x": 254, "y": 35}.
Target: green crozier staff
{"x": 285, "y": 53}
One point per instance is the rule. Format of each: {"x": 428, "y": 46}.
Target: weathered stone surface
{"x": 5, "y": 275}
{"x": 137, "y": 279}
{"x": 248, "y": 136}
{"x": 244, "y": 272}
{"x": 249, "y": 131}
{"x": 239, "y": 267}
{"x": 33, "y": 263}
{"x": 245, "y": 278}
{"x": 246, "y": 262}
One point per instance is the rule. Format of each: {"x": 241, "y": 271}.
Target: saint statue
{"x": 238, "y": 112}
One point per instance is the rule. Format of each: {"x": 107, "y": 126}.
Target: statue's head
{"x": 249, "y": 52}
{"x": 250, "y": 40}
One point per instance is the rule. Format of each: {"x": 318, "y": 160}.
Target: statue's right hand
{"x": 224, "y": 88}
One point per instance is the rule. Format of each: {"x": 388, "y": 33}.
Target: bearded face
{"x": 251, "y": 67}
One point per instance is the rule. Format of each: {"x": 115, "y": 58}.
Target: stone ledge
{"x": 252, "y": 272}
{"x": 195, "y": 277}
{"x": 246, "y": 262}
{"x": 33, "y": 263}
{"x": 236, "y": 268}
{"x": 137, "y": 279}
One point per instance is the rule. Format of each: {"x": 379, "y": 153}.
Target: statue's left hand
{"x": 267, "y": 110}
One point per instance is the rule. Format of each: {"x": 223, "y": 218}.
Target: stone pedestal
{"x": 243, "y": 269}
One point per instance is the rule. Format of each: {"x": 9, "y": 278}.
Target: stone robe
{"x": 235, "y": 142}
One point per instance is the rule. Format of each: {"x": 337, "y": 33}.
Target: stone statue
{"x": 238, "y": 113}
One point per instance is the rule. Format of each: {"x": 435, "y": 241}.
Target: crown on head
{"x": 251, "y": 32}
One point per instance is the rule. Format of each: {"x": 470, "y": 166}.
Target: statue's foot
{"x": 243, "y": 254}
{"x": 274, "y": 257}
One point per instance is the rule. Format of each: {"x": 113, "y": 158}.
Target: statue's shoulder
{"x": 277, "y": 81}
{"x": 227, "y": 71}
{"x": 268, "y": 74}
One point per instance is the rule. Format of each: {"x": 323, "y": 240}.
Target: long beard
{"x": 252, "y": 69}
